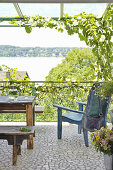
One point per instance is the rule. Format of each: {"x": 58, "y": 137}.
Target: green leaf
{"x": 81, "y": 37}
{"x": 23, "y": 129}
{"x": 28, "y": 29}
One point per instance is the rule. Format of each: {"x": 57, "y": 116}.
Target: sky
{"x": 38, "y": 38}
{"x": 41, "y": 37}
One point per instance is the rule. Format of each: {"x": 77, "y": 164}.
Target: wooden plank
{"x": 56, "y": 1}
{"x": 30, "y": 142}
{"x": 19, "y": 109}
{"x": 15, "y": 130}
{"x": 29, "y": 121}
{"x": 39, "y": 109}
{"x": 29, "y": 114}
{"x": 20, "y": 100}
{"x": 18, "y": 149}
{"x": 12, "y": 107}
{"x": 14, "y": 151}
{"x": 12, "y": 111}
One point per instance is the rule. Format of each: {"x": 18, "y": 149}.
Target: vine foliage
{"x": 96, "y": 32}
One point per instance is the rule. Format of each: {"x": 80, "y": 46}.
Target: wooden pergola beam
{"x": 56, "y": 1}
{"x": 19, "y": 12}
{"x": 61, "y": 10}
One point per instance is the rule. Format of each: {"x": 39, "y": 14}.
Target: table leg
{"x": 30, "y": 142}
{"x": 34, "y": 119}
{"x": 14, "y": 150}
{"x": 29, "y": 119}
{"x": 33, "y": 116}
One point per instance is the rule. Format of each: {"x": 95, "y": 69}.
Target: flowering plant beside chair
{"x": 102, "y": 140}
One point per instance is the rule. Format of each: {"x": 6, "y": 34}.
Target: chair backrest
{"x": 93, "y": 108}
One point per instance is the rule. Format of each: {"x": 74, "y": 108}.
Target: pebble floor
{"x": 49, "y": 153}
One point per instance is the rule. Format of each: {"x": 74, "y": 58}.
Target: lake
{"x": 37, "y": 67}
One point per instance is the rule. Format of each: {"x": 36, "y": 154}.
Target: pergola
{"x": 60, "y": 2}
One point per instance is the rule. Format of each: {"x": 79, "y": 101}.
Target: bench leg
{"x": 18, "y": 149}
{"x": 34, "y": 134}
{"x": 30, "y": 142}
{"x": 14, "y": 151}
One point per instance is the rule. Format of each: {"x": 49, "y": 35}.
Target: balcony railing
{"x": 47, "y": 93}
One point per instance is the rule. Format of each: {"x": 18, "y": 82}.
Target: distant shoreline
{"x": 14, "y": 51}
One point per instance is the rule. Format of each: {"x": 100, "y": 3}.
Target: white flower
{"x": 34, "y": 24}
{"x": 61, "y": 26}
{"x": 97, "y": 23}
{"x": 102, "y": 38}
{"x": 79, "y": 17}
{"x": 75, "y": 23}
{"x": 105, "y": 31}
{"x": 31, "y": 20}
{"x": 53, "y": 22}
{"x": 67, "y": 79}
{"x": 48, "y": 19}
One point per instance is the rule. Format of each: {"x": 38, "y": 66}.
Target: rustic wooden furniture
{"x": 15, "y": 137}
{"x": 8, "y": 105}
{"x": 37, "y": 109}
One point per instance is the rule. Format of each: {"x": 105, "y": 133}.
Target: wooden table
{"x": 8, "y": 105}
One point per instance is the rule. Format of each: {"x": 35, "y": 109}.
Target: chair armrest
{"x": 68, "y": 109}
{"x": 82, "y": 103}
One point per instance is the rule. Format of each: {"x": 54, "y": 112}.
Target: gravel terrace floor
{"x": 49, "y": 153}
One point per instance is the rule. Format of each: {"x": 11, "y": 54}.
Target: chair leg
{"x": 85, "y": 133}
{"x": 79, "y": 129}
{"x": 59, "y": 130}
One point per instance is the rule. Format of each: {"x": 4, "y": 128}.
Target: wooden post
{"x": 30, "y": 142}
{"x": 29, "y": 120}
{"x": 18, "y": 149}
{"x": 14, "y": 150}
{"x": 33, "y": 116}
{"x": 29, "y": 115}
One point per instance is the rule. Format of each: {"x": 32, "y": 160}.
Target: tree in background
{"x": 78, "y": 65}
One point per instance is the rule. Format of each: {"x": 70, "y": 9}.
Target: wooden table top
{"x": 15, "y": 130}
{"x": 20, "y": 99}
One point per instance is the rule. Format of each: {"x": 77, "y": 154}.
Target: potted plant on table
{"x": 102, "y": 141}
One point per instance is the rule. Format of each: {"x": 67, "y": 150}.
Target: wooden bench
{"x": 39, "y": 109}
{"x": 15, "y": 137}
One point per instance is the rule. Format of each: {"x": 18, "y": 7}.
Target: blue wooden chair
{"x": 76, "y": 117}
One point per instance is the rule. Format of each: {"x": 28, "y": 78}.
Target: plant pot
{"x": 108, "y": 162}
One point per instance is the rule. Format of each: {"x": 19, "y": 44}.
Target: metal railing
{"x": 47, "y": 93}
